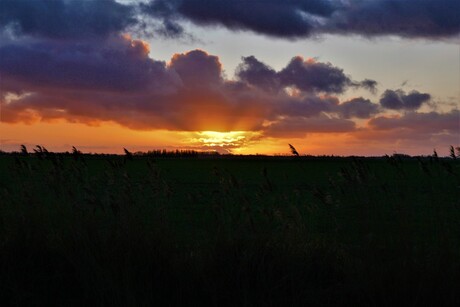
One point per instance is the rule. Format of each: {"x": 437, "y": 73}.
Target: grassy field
{"x": 229, "y": 231}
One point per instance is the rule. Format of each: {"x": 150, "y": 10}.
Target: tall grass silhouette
{"x": 78, "y": 229}
{"x": 293, "y": 150}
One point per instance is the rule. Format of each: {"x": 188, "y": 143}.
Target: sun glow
{"x": 214, "y": 138}
{"x": 232, "y": 141}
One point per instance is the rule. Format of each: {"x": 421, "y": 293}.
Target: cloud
{"x": 298, "y": 127}
{"x": 358, "y": 108}
{"x": 398, "y": 100}
{"x": 258, "y": 74}
{"x": 197, "y": 68}
{"x": 69, "y": 60}
{"x": 283, "y": 19}
{"x": 114, "y": 79}
{"x": 405, "y": 18}
{"x": 117, "y": 64}
{"x": 413, "y": 132}
{"x": 95, "y": 19}
{"x": 310, "y": 75}
{"x": 431, "y": 122}
{"x": 306, "y": 106}
{"x": 66, "y": 19}
{"x": 305, "y": 75}
{"x": 370, "y": 85}
{"x": 170, "y": 29}
{"x": 305, "y": 18}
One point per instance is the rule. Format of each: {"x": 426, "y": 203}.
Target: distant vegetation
{"x": 42, "y": 151}
{"x": 38, "y": 150}
{"x": 158, "y": 228}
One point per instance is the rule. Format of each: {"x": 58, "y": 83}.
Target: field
{"x": 229, "y": 230}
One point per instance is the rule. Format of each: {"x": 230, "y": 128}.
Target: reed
{"x": 81, "y": 229}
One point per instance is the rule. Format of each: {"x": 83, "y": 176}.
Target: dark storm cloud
{"x": 78, "y": 19}
{"x": 66, "y": 19}
{"x": 118, "y": 64}
{"x": 407, "y": 18}
{"x": 398, "y": 100}
{"x": 303, "y": 18}
{"x": 358, "y": 108}
{"x": 273, "y": 17}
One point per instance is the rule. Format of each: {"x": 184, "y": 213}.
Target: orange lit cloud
{"x": 115, "y": 81}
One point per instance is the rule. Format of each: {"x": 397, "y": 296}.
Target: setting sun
{"x": 214, "y": 138}
{"x": 224, "y": 142}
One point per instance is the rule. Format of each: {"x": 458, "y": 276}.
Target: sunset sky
{"x": 342, "y": 77}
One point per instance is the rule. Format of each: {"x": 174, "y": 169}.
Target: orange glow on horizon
{"x": 109, "y": 137}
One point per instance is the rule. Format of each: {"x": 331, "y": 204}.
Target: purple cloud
{"x": 276, "y": 18}
{"x": 305, "y": 75}
{"x": 398, "y": 100}
{"x": 304, "y": 18}
{"x": 431, "y": 122}
{"x": 118, "y": 64}
{"x": 197, "y": 68}
{"x": 258, "y": 74}
{"x": 298, "y": 127}
{"x": 66, "y": 19}
{"x": 405, "y": 18}
{"x": 358, "y": 108}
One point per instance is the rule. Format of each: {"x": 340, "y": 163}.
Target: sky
{"x": 331, "y": 77}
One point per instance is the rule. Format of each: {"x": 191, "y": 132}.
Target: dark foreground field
{"x": 229, "y": 231}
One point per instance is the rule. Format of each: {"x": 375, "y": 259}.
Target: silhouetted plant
{"x": 24, "y": 150}
{"x": 293, "y": 150}
{"x": 77, "y": 154}
{"x": 452, "y": 152}
{"x": 435, "y": 155}
{"x": 128, "y": 154}
{"x": 146, "y": 233}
